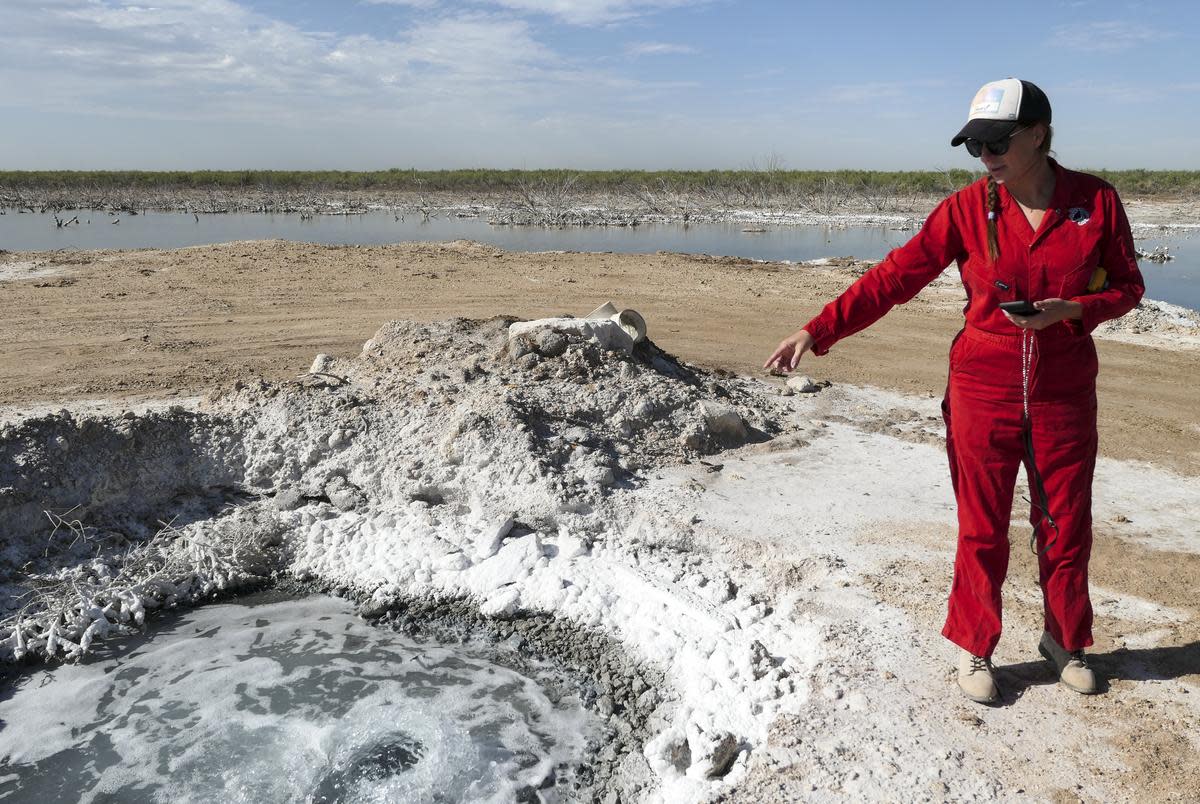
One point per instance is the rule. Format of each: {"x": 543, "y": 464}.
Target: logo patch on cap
{"x": 987, "y": 100}
{"x": 997, "y": 100}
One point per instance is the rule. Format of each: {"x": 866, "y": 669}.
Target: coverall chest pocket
{"x": 987, "y": 284}
{"x": 1078, "y": 260}
{"x": 1075, "y": 281}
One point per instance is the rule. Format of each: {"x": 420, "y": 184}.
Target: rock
{"x": 692, "y": 438}
{"x": 321, "y": 364}
{"x": 624, "y": 426}
{"x": 599, "y": 475}
{"x": 452, "y": 562}
{"x": 342, "y": 494}
{"x": 503, "y": 604}
{"x": 722, "y": 756}
{"x": 803, "y": 385}
{"x": 608, "y": 334}
{"x": 722, "y": 420}
{"x": 644, "y": 410}
{"x": 576, "y": 435}
{"x": 470, "y": 367}
{"x": 373, "y": 608}
{"x": 679, "y": 755}
{"x": 487, "y": 543}
{"x": 571, "y": 546}
{"x": 512, "y": 562}
{"x": 288, "y": 499}
{"x": 604, "y": 705}
{"x": 519, "y": 347}
{"x": 550, "y": 343}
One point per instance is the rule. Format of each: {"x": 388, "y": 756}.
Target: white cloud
{"x": 879, "y": 93}
{"x": 1125, "y": 92}
{"x": 658, "y": 49}
{"x": 215, "y": 58}
{"x": 574, "y": 12}
{"x": 477, "y": 44}
{"x": 594, "y": 12}
{"x": 1109, "y": 36}
{"x": 201, "y": 78}
{"x": 409, "y": 3}
{"x": 174, "y": 55}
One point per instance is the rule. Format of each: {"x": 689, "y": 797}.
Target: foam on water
{"x": 295, "y": 700}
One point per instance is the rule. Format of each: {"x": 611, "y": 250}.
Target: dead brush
{"x": 73, "y": 526}
{"x": 63, "y": 613}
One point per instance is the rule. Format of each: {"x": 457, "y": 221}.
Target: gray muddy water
{"x": 1177, "y": 281}
{"x": 292, "y": 700}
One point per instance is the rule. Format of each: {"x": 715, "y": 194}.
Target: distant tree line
{"x": 933, "y": 182}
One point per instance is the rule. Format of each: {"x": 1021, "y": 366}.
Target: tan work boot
{"x": 975, "y": 677}
{"x": 1073, "y": 670}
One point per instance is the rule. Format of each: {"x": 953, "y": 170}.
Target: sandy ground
{"x": 154, "y": 323}
{"x": 846, "y": 588}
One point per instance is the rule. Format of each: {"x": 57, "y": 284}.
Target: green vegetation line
{"x": 1129, "y": 182}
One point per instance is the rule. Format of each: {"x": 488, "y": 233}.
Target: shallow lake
{"x": 1177, "y": 281}
{"x": 287, "y": 700}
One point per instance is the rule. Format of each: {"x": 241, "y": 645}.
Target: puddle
{"x": 290, "y": 700}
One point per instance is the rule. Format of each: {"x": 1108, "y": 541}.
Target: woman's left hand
{"x": 1053, "y": 311}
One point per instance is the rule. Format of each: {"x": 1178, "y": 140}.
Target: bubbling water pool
{"x": 295, "y": 700}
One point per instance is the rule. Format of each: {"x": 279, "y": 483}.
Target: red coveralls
{"x": 1084, "y": 227}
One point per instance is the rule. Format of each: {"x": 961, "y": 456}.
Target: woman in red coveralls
{"x": 1021, "y": 388}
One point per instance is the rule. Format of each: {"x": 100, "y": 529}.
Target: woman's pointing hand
{"x": 789, "y": 351}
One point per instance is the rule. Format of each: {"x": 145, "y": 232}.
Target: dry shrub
{"x": 66, "y": 611}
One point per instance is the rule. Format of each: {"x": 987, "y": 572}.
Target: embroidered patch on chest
{"x": 1079, "y": 215}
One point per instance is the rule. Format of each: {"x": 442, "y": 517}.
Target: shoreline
{"x": 754, "y": 201}
{"x": 1147, "y": 215}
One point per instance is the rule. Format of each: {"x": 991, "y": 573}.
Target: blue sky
{"x": 369, "y": 84}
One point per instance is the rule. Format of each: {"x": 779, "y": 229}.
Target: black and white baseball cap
{"x": 1000, "y": 106}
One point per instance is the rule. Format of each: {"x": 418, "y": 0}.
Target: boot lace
{"x": 1079, "y": 656}
{"x": 978, "y": 663}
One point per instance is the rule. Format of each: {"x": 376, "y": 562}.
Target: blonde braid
{"x": 993, "y": 210}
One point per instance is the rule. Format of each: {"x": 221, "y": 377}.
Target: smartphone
{"x": 1019, "y": 308}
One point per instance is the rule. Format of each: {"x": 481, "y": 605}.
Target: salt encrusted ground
{"x": 770, "y": 569}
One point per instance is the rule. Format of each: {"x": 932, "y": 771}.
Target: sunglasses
{"x": 996, "y": 148}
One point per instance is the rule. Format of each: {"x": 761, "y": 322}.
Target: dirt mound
{"x": 460, "y": 412}
{"x": 1157, "y": 324}
{"x": 1155, "y": 317}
